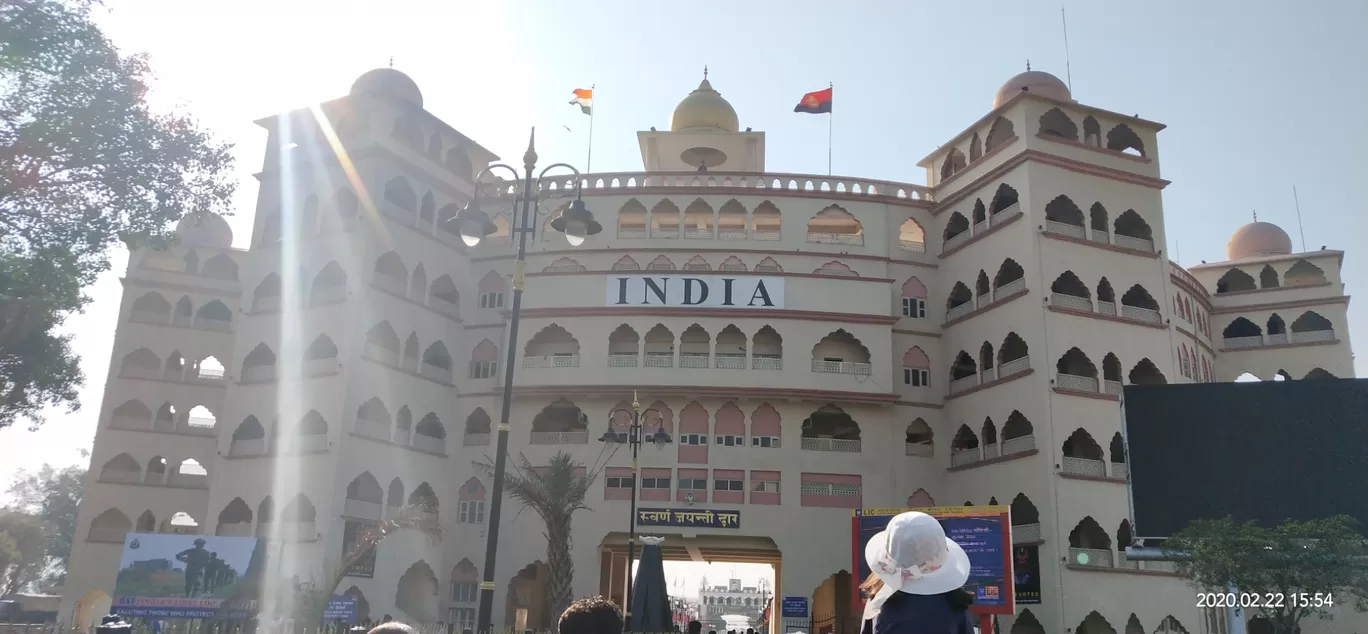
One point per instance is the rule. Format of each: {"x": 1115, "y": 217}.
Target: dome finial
{"x": 1028, "y": 65}
{"x": 392, "y": 61}
{"x": 705, "y": 71}
{"x": 1256, "y": 215}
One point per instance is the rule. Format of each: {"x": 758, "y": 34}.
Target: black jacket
{"x": 921, "y": 614}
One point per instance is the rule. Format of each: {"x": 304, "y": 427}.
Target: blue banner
{"x": 166, "y": 575}
{"x": 983, "y": 532}
{"x": 795, "y": 607}
{"x": 340, "y": 607}
{"x": 695, "y": 518}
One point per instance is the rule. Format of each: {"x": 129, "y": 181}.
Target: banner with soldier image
{"x": 188, "y": 576}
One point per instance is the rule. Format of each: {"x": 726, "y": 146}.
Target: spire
{"x": 1256, "y": 215}
{"x": 1028, "y": 65}
{"x": 391, "y": 62}
{"x": 705, "y": 71}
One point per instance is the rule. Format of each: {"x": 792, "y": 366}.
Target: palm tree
{"x": 554, "y": 492}
{"x": 421, "y": 515}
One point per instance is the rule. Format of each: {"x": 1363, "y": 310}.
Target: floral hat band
{"x": 888, "y": 566}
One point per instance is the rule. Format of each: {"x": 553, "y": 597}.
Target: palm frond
{"x": 420, "y": 516}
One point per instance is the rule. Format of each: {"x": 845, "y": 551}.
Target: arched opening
{"x": 1139, "y": 305}
{"x": 220, "y": 267}
{"x": 477, "y": 427}
{"x": 920, "y": 499}
{"x": 1145, "y": 373}
{"x": 920, "y": 441}
{"x": 730, "y": 350}
{"x": 624, "y": 347}
{"x": 990, "y": 439}
{"x": 1002, "y": 131}
{"x": 986, "y": 357}
{"x": 1303, "y": 273}
{"x": 141, "y": 363}
{"x": 484, "y": 360}
{"x": 430, "y": 435}
{"x": 1064, "y": 217}
{"x": 1317, "y": 374}
{"x": 1133, "y": 625}
{"x": 1013, "y": 355}
{"x": 1025, "y": 520}
{"x": 248, "y": 439}
{"x": 1268, "y": 278}
{"x": 1092, "y": 132}
{"x": 390, "y": 274}
{"x": 109, "y": 527}
{"x": 665, "y": 220}
{"x": 831, "y": 429}
{"x": 121, "y": 468}
{"x": 1075, "y": 371}
{"x": 1116, "y": 451}
{"x": 373, "y": 419}
{"x": 443, "y": 297}
{"x": 330, "y": 285}
{"x": 1026, "y": 623}
{"x": 552, "y": 347}
{"x": 983, "y": 288}
{"x": 1242, "y": 333}
{"x": 963, "y": 368}
{"x": 1133, "y": 232}
{"x": 767, "y": 349}
{"x": 1277, "y": 329}
{"x": 560, "y": 423}
{"x": 1004, "y": 200}
{"x": 732, "y": 223}
{"x": 424, "y": 498}
{"x": 1067, "y": 291}
{"x": 259, "y": 364}
{"x": 660, "y": 347}
{"x": 695, "y": 347}
{"x": 235, "y": 520}
{"x": 1123, "y": 139}
{"x": 1018, "y": 435}
{"x": 382, "y": 344}
{"x": 1010, "y": 278}
{"x": 698, "y": 220}
{"x": 911, "y": 236}
{"x": 767, "y": 222}
{"x": 1089, "y": 545}
{"x": 1311, "y": 326}
{"x": 954, "y": 163}
{"x": 835, "y": 225}
{"x": 1057, "y": 124}
{"x": 364, "y": 498}
{"x": 841, "y": 353}
{"x": 400, "y": 194}
{"x": 266, "y": 296}
{"x": 437, "y": 362}
{"x": 416, "y": 594}
{"x": 1083, "y": 456}
{"x": 959, "y": 302}
{"x": 394, "y": 497}
{"x": 956, "y": 226}
{"x": 979, "y": 214}
{"x": 964, "y": 447}
{"x": 471, "y": 503}
{"x": 214, "y": 315}
{"x": 975, "y": 148}
{"x": 1235, "y": 281}
{"x": 320, "y": 356}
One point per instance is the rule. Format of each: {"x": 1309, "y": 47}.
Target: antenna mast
{"x": 1299, "y": 222}
{"x": 1068, "y": 68}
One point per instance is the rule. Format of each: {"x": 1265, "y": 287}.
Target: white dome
{"x": 205, "y": 229}
{"x": 1258, "y": 238}
{"x": 390, "y": 83}
{"x": 1035, "y": 82}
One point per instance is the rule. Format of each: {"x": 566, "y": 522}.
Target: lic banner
{"x": 985, "y": 534}
{"x": 189, "y": 576}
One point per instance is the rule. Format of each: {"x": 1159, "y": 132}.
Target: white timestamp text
{"x": 1265, "y": 600}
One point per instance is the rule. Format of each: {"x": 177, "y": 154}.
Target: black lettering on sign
{"x": 727, "y": 291}
{"x": 622, "y": 291}
{"x": 762, "y": 294}
{"x": 654, "y": 289}
{"x": 689, "y": 283}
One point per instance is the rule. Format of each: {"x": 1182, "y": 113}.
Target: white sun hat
{"x": 914, "y": 556}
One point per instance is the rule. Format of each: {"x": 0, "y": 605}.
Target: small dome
{"x": 1035, "y": 82}
{"x": 390, "y": 83}
{"x": 704, "y": 108}
{"x": 205, "y": 229}
{"x": 1256, "y": 239}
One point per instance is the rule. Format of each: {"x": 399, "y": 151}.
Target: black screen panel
{"x": 1266, "y": 451}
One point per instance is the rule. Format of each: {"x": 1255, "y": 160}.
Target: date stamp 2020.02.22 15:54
{"x": 1272, "y": 600}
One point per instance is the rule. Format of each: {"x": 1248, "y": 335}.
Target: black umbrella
{"x": 650, "y": 596}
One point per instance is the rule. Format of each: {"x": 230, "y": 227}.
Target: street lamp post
{"x": 576, "y": 223}
{"x": 635, "y": 436}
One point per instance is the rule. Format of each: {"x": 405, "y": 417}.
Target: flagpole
{"x": 830, "y": 116}
{"x": 593, "y": 109}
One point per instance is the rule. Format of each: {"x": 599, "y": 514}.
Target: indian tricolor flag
{"x": 584, "y": 98}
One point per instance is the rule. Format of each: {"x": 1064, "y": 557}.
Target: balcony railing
{"x": 694, "y": 360}
{"x": 1014, "y": 367}
{"x": 842, "y": 367}
{"x": 436, "y": 372}
{"x": 1141, "y": 314}
{"x": 1233, "y": 343}
{"x": 915, "y": 246}
{"x": 1091, "y": 557}
{"x": 955, "y": 312}
{"x": 767, "y": 362}
{"x": 766, "y": 235}
{"x": 699, "y": 234}
{"x": 559, "y": 438}
{"x": 429, "y": 443}
{"x": 726, "y": 233}
{"x": 1010, "y": 288}
{"x": 724, "y": 361}
{"x": 1120, "y": 470}
{"x": 1106, "y": 308}
{"x": 957, "y": 239}
{"x": 659, "y": 360}
{"x": 1138, "y": 244}
{"x": 378, "y": 430}
{"x": 361, "y": 509}
{"x": 818, "y": 237}
{"x": 315, "y": 367}
{"x": 962, "y": 457}
{"x": 1083, "y": 467}
{"x": 1075, "y": 382}
{"x": 923, "y": 450}
{"x": 964, "y": 383}
{"x": 1112, "y": 387}
{"x": 831, "y": 444}
{"x": 1071, "y": 302}
{"x": 1020, "y": 444}
{"x": 1312, "y": 336}
{"x": 1025, "y": 533}
{"x": 620, "y": 360}
{"x": 250, "y": 447}
{"x": 631, "y": 233}
{"x": 476, "y": 440}
{"x": 1066, "y": 229}
{"x": 552, "y": 361}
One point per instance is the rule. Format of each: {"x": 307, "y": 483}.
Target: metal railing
{"x": 830, "y": 444}
{"x": 842, "y": 367}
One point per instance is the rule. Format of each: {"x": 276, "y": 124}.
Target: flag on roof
{"x": 584, "y": 98}
{"x": 815, "y": 102}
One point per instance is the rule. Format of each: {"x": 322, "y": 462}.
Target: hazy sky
{"x": 1258, "y": 96}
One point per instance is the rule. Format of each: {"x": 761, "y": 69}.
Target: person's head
{"x": 913, "y": 555}
{"x": 591, "y": 615}
{"x": 386, "y": 618}
{"x": 750, "y": 630}
{"x": 695, "y": 627}
{"x": 199, "y": 543}
{"x": 392, "y": 627}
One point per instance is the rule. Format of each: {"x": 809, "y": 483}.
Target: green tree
{"x": 84, "y": 164}
{"x": 1315, "y": 557}
{"x": 554, "y": 492}
{"x": 53, "y": 497}
{"x": 27, "y": 557}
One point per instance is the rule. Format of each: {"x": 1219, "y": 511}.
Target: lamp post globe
{"x": 472, "y": 223}
{"x": 577, "y": 223}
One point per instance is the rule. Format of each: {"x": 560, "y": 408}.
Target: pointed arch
{"x": 1304, "y": 273}
{"x": 665, "y": 220}
{"x": 955, "y": 226}
{"x": 1123, "y": 139}
{"x": 1312, "y": 326}
{"x": 1067, "y": 291}
{"x": 911, "y": 236}
{"x": 768, "y": 265}
{"x": 399, "y": 193}
{"x": 660, "y": 263}
{"x": 699, "y": 219}
{"x": 954, "y": 163}
{"x": 267, "y": 294}
{"x": 390, "y": 273}
{"x": 767, "y": 349}
{"x": 1057, "y": 124}
{"x": 835, "y": 225}
{"x": 732, "y": 221}
{"x": 1146, "y": 373}
{"x": 964, "y": 367}
{"x": 626, "y": 263}
{"x": 830, "y": 423}
{"x": 1268, "y": 277}
{"x": 975, "y": 148}
{"x": 1235, "y": 281}
{"x": 1062, "y": 210}
{"x": 330, "y": 285}
{"x": 841, "y": 353}
{"x": 697, "y": 263}
{"x": 1137, "y": 232}
{"x": 1002, "y": 131}
{"x": 1009, "y": 279}
{"x": 919, "y": 439}
{"x": 732, "y": 263}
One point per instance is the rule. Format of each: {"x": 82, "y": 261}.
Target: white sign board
{"x": 690, "y": 291}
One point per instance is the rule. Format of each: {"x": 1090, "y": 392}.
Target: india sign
{"x": 688, "y": 291}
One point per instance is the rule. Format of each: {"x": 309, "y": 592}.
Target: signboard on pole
{"x": 1026, "y": 574}
{"x": 985, "y": 534}
{"x": 189, "y": 576}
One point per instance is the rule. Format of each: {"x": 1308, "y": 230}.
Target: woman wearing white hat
{"x": 915, "y": 581}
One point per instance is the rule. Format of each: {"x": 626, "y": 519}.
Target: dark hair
{"x": 960, "y": 599}
{"x": 695, "y": 627}
{"x": 591, "y": 615}
{"x": 392, "y": 627}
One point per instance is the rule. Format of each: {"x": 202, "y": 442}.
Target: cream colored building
{"x": 960, "y": 341}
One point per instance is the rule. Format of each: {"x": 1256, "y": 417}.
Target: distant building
{"x": 718, "y": 601}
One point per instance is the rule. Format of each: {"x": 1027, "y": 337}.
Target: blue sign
{"x": 795, "y": 607}
{"x": 340, "y": 607}
{"x": 173, "y": 576}
{"x": 984, "y": 532}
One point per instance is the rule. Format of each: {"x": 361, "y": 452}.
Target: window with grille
{"x": 465, "y": 592}
{"x": 491, "y": 300}
{"x": 765, "y": 486}
{"x": 693, "y": 484}
{"x": 729, "y": 485}
{"x": 655, "y": 483}
{"x": 914, "y": 308}
{"x": 471, "y": 512}
{"x": 482, "y": 369}
{"x": 767, "y": 442}
{"x": 619, "y": 483}
{"x": 731, "y": 441}
{"x": 693, "y": 439}
{"x": 916, "y": 377}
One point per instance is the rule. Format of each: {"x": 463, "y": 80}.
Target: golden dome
{"x": 1035, "y": 82}
{"x": 1256, "y": 239}
{"x": 704, "y": 108}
